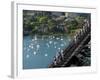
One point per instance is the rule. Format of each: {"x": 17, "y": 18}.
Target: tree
{"x": 51, "y": 24}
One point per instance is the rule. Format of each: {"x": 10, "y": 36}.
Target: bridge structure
{"x": 75, "y": 46}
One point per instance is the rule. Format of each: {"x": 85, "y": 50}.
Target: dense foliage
{"x": 44, "y": 23}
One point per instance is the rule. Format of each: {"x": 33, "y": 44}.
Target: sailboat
{"x": 35, "y": 38}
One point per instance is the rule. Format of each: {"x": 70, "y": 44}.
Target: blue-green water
{"x": 39, "y": 51}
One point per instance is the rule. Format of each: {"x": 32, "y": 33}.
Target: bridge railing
{"x": 58, "y": 59}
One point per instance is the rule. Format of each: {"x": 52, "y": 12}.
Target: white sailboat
{"x": 35, "y": 37}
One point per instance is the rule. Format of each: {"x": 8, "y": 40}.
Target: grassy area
{"x": 73, "y": 32}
